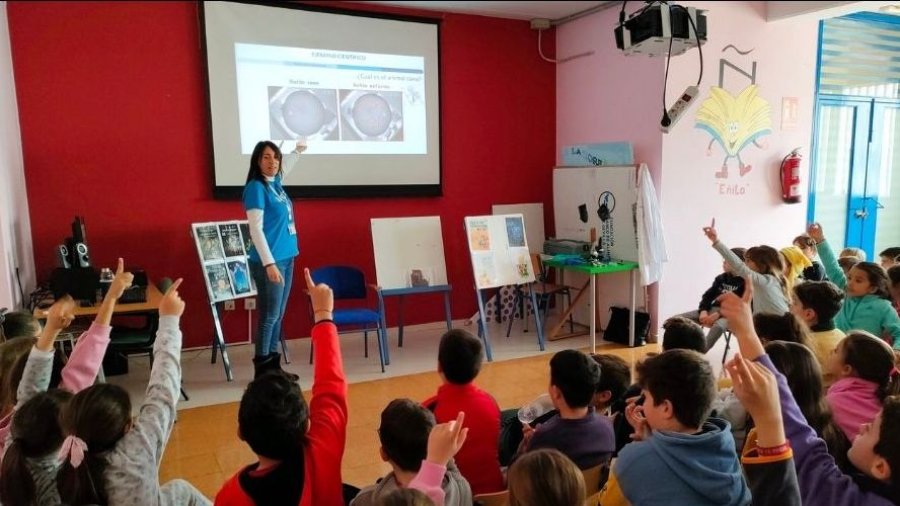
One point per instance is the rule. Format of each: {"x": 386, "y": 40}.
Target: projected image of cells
{"x": 302, "y": 113}
{"x": 371, "y": 116}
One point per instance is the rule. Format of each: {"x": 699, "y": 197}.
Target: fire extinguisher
{"x": 790, "y": 177}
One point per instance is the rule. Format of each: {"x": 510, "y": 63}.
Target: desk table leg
{"x": 400, "y": 325}
{"x": 593, "y": 314}
{"x": 631, "y": 314}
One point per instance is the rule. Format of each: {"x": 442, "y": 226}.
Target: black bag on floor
{"x": 617, "y": 329}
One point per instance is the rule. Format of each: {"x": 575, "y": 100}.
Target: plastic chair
{"x": 492, "y": 499}
{"x": 543, "y": 291}
{"x": 595, "y": 478}
{"x": 349, "y": 284}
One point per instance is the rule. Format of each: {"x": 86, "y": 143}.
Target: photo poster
{"x": 498, "y": 246}
{"x": 534, "y": 222}
{"x": 409, "y": 252}
{"x": 222, "y": 249}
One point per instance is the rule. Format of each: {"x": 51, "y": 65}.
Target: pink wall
{"x": 607, "y": 97}
{"x": 610, "y": 97}
{"x": 785, "y": 52}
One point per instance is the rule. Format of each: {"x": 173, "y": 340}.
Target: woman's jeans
{"x": 272, "y": 301}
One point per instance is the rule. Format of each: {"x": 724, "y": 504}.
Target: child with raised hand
{"x": 863, "y": 366}
{"x": 767, "y": 458}
{"x": 444, "y": 442}
{"x": 18, "y": 324}
{"x": 874, "y": 454}
{"x": 108, "y": 458}
{"x": 318, "y": 431}
{"x": 763, "y": 266}
{"x": 816, "y": 271}
{"x": 868, "y": 304}
{"x": 80, "y": 371}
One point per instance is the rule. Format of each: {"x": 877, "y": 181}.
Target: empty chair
{"x": 349, "y": 284}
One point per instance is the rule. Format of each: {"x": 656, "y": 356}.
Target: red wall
{"x": 112, "y": 108}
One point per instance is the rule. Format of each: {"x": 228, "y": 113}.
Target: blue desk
{"x": 401, "y": 292}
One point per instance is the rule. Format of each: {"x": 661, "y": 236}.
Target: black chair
{"x": 349, "y": 284}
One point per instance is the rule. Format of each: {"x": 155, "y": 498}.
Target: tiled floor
{"x": 204, "y": 447}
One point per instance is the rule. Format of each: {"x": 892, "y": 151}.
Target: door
{"x": 838, "y": 181}
{"x": 884, "y": 169}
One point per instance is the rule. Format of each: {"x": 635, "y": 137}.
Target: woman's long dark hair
{"x": 34, "y": 433}
{"x": 255, "y": 173}
{"x": 99, "y": 416}
{"x": 804, "y": 377}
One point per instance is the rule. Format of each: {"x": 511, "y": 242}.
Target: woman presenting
{"x": 271, "y": 216}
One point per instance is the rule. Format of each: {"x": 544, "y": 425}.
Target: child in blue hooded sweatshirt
{"x": 688, "y": 457}
{"x": 868, "y": 305}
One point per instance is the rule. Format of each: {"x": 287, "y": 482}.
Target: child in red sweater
{"x": 299, "y": 447}
{"x": 459, "y": 360}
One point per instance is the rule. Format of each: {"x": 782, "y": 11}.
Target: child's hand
{"x": 171, "y": 304}
{"x": 756, "y": 388}
{"x": 710, "y": 319}
{"x": 814, "y": 230}
{"x": 634, "y": 414}
{"x": 711, "y": 234}
{"x": 120, "y": 283}
{"x": 321, "y": 297}
{"x": 60, "y": 314}
{"x": 737, "y": 309}
{"x": 446, "y": 439}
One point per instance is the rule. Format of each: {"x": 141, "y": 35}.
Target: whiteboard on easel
{"x": 604, "y": 198}
{"x": 222, "y": 247}
{"x": 534, "y": 222}
{"x": 499, "y": 250}
{"x": 409, "y": 252}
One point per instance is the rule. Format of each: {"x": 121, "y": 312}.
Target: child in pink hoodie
{"x": 864, "y": 367}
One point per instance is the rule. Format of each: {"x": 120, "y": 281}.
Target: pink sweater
{"x": 79, "y": 372}
{"x": 854, "y": 401}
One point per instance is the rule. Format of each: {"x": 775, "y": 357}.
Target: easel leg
{"x": 447, "y": 309}
{"x": 537, "y": 318}
{"x": 383, "y": 335}
{"x": 219, "y": 341}
{"x": 483, "y": 321}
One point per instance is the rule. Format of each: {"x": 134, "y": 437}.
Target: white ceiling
{"x": 556, "y": 10}
{"x": 512, "y": 10}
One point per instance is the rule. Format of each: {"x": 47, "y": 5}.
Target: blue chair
{"x": 349, "y": 284}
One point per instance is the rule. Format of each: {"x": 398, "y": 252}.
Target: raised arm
{"x": 328, "y": 407}
{"x": 444, "y": 441}
{"x": 81, "y": 369}
{"x": 740, "y": 321}
{"x": 737, "y": 265}
{"x": 826, "y": 254}
{"x": 157, "y": 414}
{"x": 39, "y": 365}
{"x": 292, "y": 160}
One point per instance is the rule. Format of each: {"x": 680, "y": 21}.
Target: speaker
{"x": 62, "y": 256}
{"x": 81, "y": 255}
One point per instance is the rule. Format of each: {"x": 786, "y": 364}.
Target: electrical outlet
{"x": 229, "y": 305}
{"x": 250, "y": 304}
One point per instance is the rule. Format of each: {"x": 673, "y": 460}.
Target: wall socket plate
{"x": 250, "y": 303}
{"x": 229, "y": 305}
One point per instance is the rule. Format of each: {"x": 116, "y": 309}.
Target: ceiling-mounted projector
{"x": 649, "y": 31}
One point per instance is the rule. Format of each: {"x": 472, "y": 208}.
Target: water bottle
{"x": 535, "y": 409}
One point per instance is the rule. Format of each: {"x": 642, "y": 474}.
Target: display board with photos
{"x": 223, "y": 248}
{"x": 499, "y": 250}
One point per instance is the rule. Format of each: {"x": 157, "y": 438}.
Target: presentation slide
{"x": 362, "y": 90}
{"x": 340, "y": 102}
